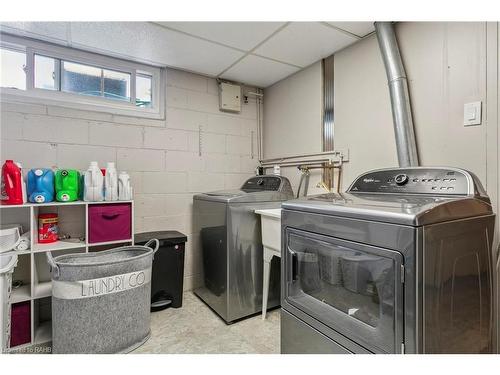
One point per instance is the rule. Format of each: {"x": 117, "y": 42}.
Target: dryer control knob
{"x": 401, "y": 179}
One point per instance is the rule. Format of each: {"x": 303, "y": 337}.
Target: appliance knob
{"x": 401, "y": 179}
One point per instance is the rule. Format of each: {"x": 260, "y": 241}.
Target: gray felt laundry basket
{"x": 101, "y": 301}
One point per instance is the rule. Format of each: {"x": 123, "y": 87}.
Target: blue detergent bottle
{"x": 41, "y": 185}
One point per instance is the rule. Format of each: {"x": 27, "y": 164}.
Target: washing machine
{"x": 228, "y": 238}
{"x": 400, "y": 263}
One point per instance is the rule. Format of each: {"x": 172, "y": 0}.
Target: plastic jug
{"x": 23, "y": 186}
{"x": 67, "y": 185}
{"x": 111, "y": 183}
{"x": 93, "y": 184}
{"x": 124, "y": 187}
{"x": 12, "y": 183}
{"x": 41, "y": 185}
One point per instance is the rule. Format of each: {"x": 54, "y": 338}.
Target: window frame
{"x": 77, "y": 101}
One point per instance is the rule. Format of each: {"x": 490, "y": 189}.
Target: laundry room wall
{"x": 446, "y": 68}
{"x": 293, "y": 120}
{"x": 161, "y": 156}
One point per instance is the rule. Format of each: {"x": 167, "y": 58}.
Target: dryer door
{"x": 353, "y": 288}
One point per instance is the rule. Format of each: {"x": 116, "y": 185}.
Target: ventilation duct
{"x": 398, "y": 89}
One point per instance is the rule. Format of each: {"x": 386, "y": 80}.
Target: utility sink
{"x": 271, "y": 240}
{"x": 271, "y": 228}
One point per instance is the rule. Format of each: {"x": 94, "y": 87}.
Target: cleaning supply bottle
{"x": 93, "y": 184}
{"x": 24, "y": 189}
{"x": 111, "y": 183}
{"x": 11, "y": 184}
{"x": 67, "y": 185}
{"x": 41, "y": 185}
{"x": 124, "y": 187}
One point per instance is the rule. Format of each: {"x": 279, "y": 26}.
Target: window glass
{"x": 81, "y": 79}
{"x": 143, "y": 88}
{"x": 360, "y": 285}
{"x": 45, "y": 73}
{"x": 116, "y": 85}
{"x": 12, "y": 72}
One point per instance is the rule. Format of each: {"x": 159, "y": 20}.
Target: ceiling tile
{"x": 258, "y": 71}
{"x": 302, "y": 43}
{"x": 358, "y": 28}
{"x": 241, "y": 35}
{"x": 152, "y": 43}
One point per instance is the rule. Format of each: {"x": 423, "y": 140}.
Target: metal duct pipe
{"x": 398, "y": 88}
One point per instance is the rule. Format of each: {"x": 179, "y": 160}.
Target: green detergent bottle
{"x": 67, "y": 185}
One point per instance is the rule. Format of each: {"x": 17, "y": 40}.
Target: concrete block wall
{"x": 162, "y": 156}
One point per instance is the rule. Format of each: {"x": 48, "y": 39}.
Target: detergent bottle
{"x": 12, "y": 183}
{"x": 67, "y": 185}
{"x": 93, "y": 184}
{"x": 24, "y": 189}
{"x": 111, "y": 183}
{"x": 41, "y": 185}
{"x": 124, "y": 187}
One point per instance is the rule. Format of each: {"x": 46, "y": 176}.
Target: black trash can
{"x": 168, "y": 268}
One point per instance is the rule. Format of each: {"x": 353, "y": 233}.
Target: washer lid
{"x": 240, "y": 196}
{"x": 267, "y": 188}
{"x": 396, "y": 209}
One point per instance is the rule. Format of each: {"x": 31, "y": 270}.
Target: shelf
{"x": 22, "y": 252}
{"x": 43, "y": 289}
{"x": 58, "y": 245}
{"x": 20, "y": 294}
{"x": 17, "y": 252}
{"x": 33, "y": 268}
{"x": 43, "y": 333}
{"x": 110, "y": 242}
{"x": 49, "y": 204}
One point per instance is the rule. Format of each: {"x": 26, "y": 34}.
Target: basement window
{"x": 13, "y": 65}
{"x": 47, "y": 74}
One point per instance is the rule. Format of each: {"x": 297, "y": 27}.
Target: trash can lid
{"x": 170, "y": 236}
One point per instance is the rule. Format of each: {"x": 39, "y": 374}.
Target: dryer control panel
{"x": 417, "y": 180}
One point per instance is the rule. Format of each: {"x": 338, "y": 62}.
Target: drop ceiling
{"x": 254, "y": 53}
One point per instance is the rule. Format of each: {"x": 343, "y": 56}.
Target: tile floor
{"x": 195, "y": 329}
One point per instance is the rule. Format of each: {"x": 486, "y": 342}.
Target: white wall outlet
{"x": 472, "y": 114}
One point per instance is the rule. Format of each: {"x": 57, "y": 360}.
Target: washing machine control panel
{"x": 436, "y": 181}
{"x": 262, "y": 183}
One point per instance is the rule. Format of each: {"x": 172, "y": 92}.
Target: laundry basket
{"x": 100, "y": 301}
{"x": 10, "y": 236}
{"x": 7, "y": 264}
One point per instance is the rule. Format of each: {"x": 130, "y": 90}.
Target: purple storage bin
{"x": 110, "y": 222}
{"x": 20, "y": 324}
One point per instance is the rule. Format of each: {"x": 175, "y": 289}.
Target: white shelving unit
{"x": 33, "y": 269}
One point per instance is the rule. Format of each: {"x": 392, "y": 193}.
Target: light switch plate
{"x": 472, "y": 114}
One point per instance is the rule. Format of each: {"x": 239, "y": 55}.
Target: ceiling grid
{"x": 254, "y": 53}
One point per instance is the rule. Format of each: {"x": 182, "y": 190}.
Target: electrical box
{"x": 229, "y": 97}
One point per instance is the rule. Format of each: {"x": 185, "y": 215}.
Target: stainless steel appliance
{"x": 229, "y": 239}
{"x": 401, "y": 263}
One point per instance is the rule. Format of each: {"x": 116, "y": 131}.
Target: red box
{"x": 20, "y": 324}
{"x": 110, "y": 222}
